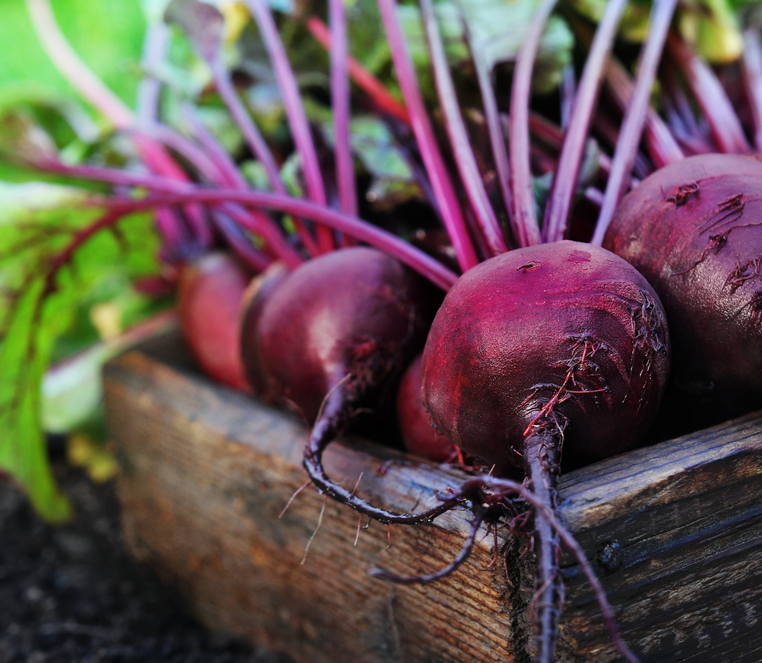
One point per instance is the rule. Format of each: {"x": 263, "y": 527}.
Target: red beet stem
{"x": 635, "y": 116}
{"x": 297, "y": 118}
{"x": 524, "y": 213}
{"x": 366, "y": 81}
{"x": 465, "y": 159}
{"x": 345, "y": 171}
{"x": 559, "y": 203}
{"x": 752, "y": 77}
{"x": 714, "y": 102}
{"x": 662, "y": 145}
{"x": 496, "y": 135}
{"x": 444, "y": 192}
{"x": 359, "y": 229}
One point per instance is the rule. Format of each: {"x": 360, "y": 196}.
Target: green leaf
{"x": 108, "y": 35}
{"x": 712, "y": 27}
{"x": 23, "y": 356}
{"x": 39, "y": 221}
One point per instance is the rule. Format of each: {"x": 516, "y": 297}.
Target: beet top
{"x": 694, "y": 230}
{"x": 563, "y": 335}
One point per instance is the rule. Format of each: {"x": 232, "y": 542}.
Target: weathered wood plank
{"x": 675, "y": 529}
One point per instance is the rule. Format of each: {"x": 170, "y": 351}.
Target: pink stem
{"x": 662, "y": 145}
{"x": 715, "y": 106}
{"x": 444, "y": 192}
{"x": 254, "y": 221}
{"x": 357, "y": 228}
{"x": 362, "y": 77}
{"x": 524, "y": 213}
{"x": 461, "y": 143}
{"x": 752, "y": 77}
{"x": 252, "y": 257}
{"x": 345, "y": 171}
{"x": 634, "y": 117}
{"x": 297, "y": 118}
{"x": 564, "y": 185}
{"x": 496, "y": 135}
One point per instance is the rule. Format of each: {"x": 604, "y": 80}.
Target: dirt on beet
{"x": 71, "y": 594}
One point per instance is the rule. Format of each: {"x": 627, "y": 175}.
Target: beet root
{"x": 330, "y": 340}
{"x": 418, "y": 435}
{"x": 554, "y": 348}
{"x": 694, "y": 230}
{"x": 210, "y": 291}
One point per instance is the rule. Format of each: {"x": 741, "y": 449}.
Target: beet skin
{"x": 565, "y": 335}
{"x": 210, "y": 292}
{"x": 694, "y": 230}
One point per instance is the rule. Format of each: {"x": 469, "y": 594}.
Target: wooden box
{"x": 674, "y": 532}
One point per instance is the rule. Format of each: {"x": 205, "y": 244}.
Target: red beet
{"x": 257, "y": 293}
{"x": 556, "y": 347}
{"x": 694, "y": 230}
{"x": 210, "y": 291}
{"x": 418, "y": 435}
{"x": 331, "y": 338}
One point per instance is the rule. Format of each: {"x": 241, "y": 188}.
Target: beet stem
{"x": 366, "y": 81}
{"x": 256, "y": 143}
{"x": 446, "y": 198}
{"x": 345, "y": 171}
{"x": 496, "y": 135}
{"x": 635, "y": 116}
{"x": 149, "y": 90}
{"x": 662, "y": 145}
{"x": 359, "y": 229}
{"x": 459, "y": 140}
{"x": 752, "y": 77}
{"x": 564, "y": 185}
{"x": 715, "y": 105}
{"x": 525, "y": 213}
{"x": 297, "y": 119}
{"x": 252, "y": 257}
{"x": 66, "y": 60}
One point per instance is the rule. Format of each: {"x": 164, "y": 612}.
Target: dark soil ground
{"x": 70, "y": 594}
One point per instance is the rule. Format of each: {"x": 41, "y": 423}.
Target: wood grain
{"x": 674, "y": 531}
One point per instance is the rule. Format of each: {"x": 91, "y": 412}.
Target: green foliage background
{"x": 37, "y": 220}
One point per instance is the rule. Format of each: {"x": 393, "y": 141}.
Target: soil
{"x": 71, "y": 594}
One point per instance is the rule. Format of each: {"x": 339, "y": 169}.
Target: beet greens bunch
{"x": 547, "y": 351}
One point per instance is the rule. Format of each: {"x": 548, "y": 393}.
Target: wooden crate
{"x": 674, "y": 531}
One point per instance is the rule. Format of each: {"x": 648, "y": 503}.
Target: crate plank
{"x": 674, "y": 531}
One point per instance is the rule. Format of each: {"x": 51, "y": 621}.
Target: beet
{"x": 418, "y": 435}
{"x": 694, "y": 230}
{"x": 210, "y": 291}
{"x": 257, "y": 293}
{"x": 553, "y": 348}
{"x": 331, "y": 338}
